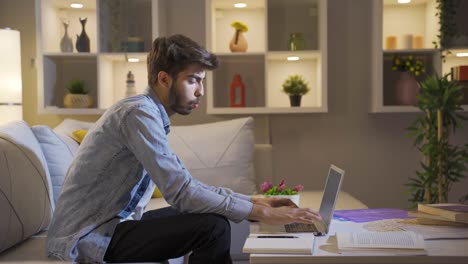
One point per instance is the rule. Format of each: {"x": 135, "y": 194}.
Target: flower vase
{"x": 238, "y": 42}
{"x": 82, "y": 41}
{"x": 294, "y": 198}
{"x": 66, "y": 44}
{"x": 295, "y": 100}
{"x": 406, "y": 89}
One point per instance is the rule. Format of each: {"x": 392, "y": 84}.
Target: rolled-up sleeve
{"x": 143, "y": 132}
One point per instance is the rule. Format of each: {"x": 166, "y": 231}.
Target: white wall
{"x": 372, "y": 148}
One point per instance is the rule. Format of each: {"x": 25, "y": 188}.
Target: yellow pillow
{"x": 157, "y": 193}
{"x": 78, "y": 135}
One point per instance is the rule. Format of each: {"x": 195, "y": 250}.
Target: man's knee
{"x": 218, "y": 224}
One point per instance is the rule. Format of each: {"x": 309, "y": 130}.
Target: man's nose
{"x": 200, "y": 91}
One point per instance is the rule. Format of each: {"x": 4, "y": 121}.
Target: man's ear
{"x": 164, "y": 79}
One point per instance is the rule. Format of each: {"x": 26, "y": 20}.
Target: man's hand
{"x": 273, "y": 202}
{"x": 283, "y": 215}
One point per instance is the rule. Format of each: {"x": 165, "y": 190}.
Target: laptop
{"x": 327, "y": 206}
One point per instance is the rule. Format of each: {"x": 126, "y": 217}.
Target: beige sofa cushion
{"x": 25, "y": 187}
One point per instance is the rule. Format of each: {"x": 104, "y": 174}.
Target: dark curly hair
{"x": 174, "y": 54}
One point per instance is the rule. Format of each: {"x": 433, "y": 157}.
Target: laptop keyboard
{"x": 300, "y": 228}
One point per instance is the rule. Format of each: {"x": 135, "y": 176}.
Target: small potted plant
{"x": 280, "y": 190}
{"x": 77, "y": 96}
{"x": 295, "y": 86}
{"x": 238, "y": 42}
{"x": 407, "y": 87}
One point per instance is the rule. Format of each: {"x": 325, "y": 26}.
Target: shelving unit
{"x": 103, "y": 69}
{"x": 402, "y": 21}
{"x": 264, "y": 66}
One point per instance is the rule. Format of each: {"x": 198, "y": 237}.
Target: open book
{"x": 381, "y": 243}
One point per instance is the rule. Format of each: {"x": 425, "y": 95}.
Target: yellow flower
{"x": 240, "y": 26}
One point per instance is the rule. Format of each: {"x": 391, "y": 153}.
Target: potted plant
{"x": 407, "y": 87}
{"x": 280, "y": 190}
{"x": 444, "y": 164}
{"x": 238, "y": 42}
{"x": 77, "y": 96}
{"x": 295, "y": 86}
{"x": 446, "y": 12}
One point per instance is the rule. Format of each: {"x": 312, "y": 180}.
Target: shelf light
{"x": 404, "y": 1}
{"x": 240, "y": 5}
{"x": 133, "y": 59}
{"x": 76, "y": 5}
{"x": 293, "y": 58}
{"x": 462, "y": 54}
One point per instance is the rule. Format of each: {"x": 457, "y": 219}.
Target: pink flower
{"x": 282, "y": 185}
{"x": 298, "y": 188}
{"x": 266, "y": 186}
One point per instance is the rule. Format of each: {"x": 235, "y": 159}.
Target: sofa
{"x": 34, "y": 161}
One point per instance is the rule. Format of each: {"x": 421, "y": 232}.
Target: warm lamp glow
{"x": 293, "y": 58}
{"x": 240, "y": 5}
{"x": 462, "y": 54}
{"x": 76, "y": 5}
{"x": 10, "y": 76}
{"x": 404, "y": 1}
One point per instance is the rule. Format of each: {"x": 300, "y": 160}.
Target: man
{"x": 99, "y": 214}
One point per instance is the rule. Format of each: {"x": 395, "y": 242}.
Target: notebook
{"x": 327, "y": 206}
{"x": 280, "y": 244}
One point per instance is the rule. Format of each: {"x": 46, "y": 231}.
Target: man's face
{"x": 187, "y": 89}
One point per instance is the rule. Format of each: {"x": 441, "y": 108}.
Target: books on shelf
{"x": 381, "y": 243}
{"x": 449, "y": 211}
{"x": 460, "y": 73}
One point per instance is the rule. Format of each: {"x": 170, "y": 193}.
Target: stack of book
{"x": 442, "y": 214}
{"x": 460, "y": 74}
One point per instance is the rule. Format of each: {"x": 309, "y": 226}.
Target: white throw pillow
{"x": 57, "y": 153}
{"x": 69, "y": 125}
{"x": 218, "y": 154}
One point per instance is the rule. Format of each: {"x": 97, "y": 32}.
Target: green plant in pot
{"x": 77, "y": 96}
{"x": 444, "y": 163}
{"x": 295, "y": 86}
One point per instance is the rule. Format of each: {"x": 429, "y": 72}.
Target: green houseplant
{"x": 295, "y": 86}
{"x": 444, "y": 164}
{"x": 446, "y": 12}
{"x": 77, "y": 96}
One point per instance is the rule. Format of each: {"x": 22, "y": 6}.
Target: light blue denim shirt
{"x": 112, "y": 177}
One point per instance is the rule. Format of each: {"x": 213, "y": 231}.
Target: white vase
{"x": 294, "y": 198}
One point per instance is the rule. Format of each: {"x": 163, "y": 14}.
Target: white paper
{"x": 430, "y": 232}
{"x": 380, "y": 240}
{"x": 302, "y": 243}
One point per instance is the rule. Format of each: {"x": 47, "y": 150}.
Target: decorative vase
{"x": 237, "y": 93}
{"x": 77, "y": 101}
{"x": 296, "y": 42}
{"x": 295, "y": 100}
{"x": 82, "y": 41}
{"x": 238, "y": 42}
{"x": 294, "y": 198}
{"x": 406, "y": 89}
{"x": 66, "y": 44}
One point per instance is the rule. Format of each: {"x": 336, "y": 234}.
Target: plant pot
{"x": 77, "y": 101}
{"x": 406, "y": 89}
{"x": 238, "y": 42}
{"x": 294, "y": 198}
{"x": 295, "y": 100}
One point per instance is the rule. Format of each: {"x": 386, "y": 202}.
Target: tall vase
{"x": 66, "y": 44}
{"x": 238, "y": 42}
{"x": 406, "y": 89}
{"x": 82, "y": 41}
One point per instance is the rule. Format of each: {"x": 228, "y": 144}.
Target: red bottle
{"x": 237, "y": 92}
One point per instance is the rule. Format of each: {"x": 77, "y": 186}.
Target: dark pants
{"x": 166, "y": 233}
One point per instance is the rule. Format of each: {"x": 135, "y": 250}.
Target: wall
{"x": 372, "y": 148}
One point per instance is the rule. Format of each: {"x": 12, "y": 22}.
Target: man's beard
{"x": 175, "y": 102}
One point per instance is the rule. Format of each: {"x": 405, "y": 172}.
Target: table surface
{"x": 326, "y": 251}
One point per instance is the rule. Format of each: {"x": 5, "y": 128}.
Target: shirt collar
{"x": 165, "y": 118}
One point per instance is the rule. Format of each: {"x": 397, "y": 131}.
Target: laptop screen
{"x": 330, "y": 194}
